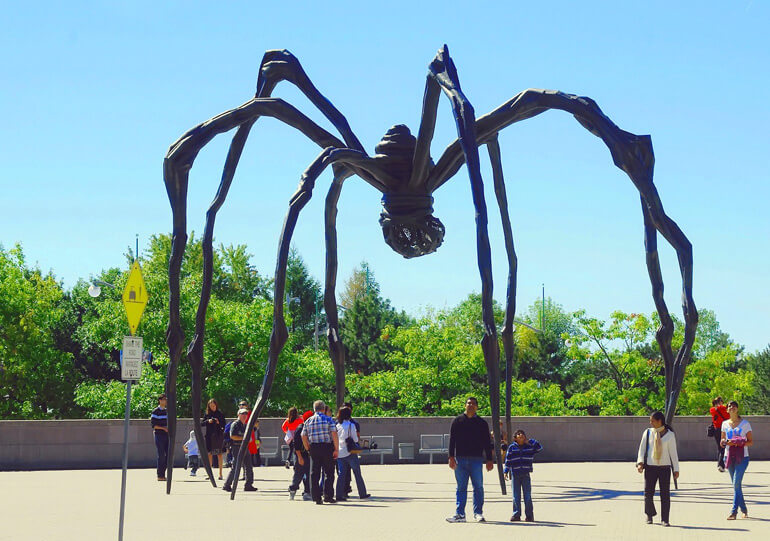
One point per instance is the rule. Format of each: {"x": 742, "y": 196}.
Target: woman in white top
{"x": 347, "y": 462}
{"x": 657, "y": 457}
{"x": 737, "y": 438}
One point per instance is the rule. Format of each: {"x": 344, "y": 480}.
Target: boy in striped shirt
{"x": 518, "y": 466}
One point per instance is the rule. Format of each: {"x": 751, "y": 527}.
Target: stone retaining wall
{"x": 68, "y": 444}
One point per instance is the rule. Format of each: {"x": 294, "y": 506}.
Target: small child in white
{"x": 191, "y": 449}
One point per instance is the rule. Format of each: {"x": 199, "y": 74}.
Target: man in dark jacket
{"x": 469, "y": 443}
{"x": 159, "y": 423}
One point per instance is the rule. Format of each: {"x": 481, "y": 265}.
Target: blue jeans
{"x": 522, "y": 482}
{"x": 469, "y": 467}
{"x": 346, "y": 465}
{"x": 736, "y": 475}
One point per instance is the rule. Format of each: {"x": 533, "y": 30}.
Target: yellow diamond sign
{"x": 135, "y": 297}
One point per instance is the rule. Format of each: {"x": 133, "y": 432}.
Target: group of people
{"x": 658, "y": 460}
{"x": 733, "y": 436}
{"x": 321, "y": 446}
{"x": 317, "y": 442}
{"x": 470, "y": 450}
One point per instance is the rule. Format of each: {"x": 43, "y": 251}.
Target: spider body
{"x": 403, "y": 171}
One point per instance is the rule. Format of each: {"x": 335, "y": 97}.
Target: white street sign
{"x": 131, "y": 368}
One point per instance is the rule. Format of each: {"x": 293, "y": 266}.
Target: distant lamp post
{"x": 95, "y": 289}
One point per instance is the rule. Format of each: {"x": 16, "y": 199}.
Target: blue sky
{"x": 94, "y": 93}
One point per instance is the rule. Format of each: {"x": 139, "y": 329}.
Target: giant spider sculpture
{"x": 403, "y": 171}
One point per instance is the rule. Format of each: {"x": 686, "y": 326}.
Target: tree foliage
{"x": 59, "y": 350}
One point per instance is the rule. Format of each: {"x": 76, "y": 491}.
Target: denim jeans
{"x": 736, "y": 475}
{"x": 346, "y": 465}
{"x": 522, "y": 482}
{"x": 193, "y": 461}
{"x": 469, "y": 467}
{"x": 161, "y": 445}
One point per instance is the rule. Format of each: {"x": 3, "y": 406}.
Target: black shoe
{"x": 227, "y": 489}
{"x": 529, "y": 519}
{"x": 341, "y": 500}
{"x": 319, "y": 502}
{"x": 250, "y": 488}
{"x": 330, "y": 500}
{"x": 364, "y": 496}
{"x": 349, "y": 490}
{"x": 516, "y": 518}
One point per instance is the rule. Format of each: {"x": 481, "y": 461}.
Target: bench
{"x": 431, "y": 444}
{"x": 384, "y": 446}
{"x": 269, "y": 448}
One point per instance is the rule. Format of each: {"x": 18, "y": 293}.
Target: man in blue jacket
{"x": 518, "y": 465}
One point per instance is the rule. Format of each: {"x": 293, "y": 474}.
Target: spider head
{"x": 408, "y": 224}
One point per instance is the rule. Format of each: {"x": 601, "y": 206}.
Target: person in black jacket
{"x": 469, "y": 443}
{"x": 214, "y": 422}
{"x": 159, "y": 423}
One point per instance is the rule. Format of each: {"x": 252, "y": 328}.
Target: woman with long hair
{"x": 347, "y": 461}
{"x": 737, "y": 438}
{"x": 657, "y": 457}
{"x": 214, "y": 421}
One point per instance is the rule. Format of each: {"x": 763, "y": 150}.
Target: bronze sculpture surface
{"x": 403, "y": 171}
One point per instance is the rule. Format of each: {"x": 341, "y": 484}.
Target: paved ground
{"x": 575, "y": 501}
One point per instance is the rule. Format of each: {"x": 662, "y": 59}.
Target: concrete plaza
{"x": 572, "y": 501}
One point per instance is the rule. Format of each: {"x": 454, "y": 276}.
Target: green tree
{"x": 36, "y": 379}
{"x": 362, "y": 324}
{"x": 719, "y": 373}
{"x": 302, "y": 286}
{"x": 759, "y": 365}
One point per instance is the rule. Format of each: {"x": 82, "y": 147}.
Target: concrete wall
{"x": 42, "y": 445}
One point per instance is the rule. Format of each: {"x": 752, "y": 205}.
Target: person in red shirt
{"x": 718, "y": 415}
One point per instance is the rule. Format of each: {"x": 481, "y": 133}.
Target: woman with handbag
{"x": 347, "y": 456}
{"x": 657, "y": 457}
{"x": 718, "y": 416}
{"x": 737, "y": 437}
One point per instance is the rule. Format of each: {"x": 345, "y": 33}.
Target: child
{"x": 518, "y": 465}
{"x": 191, "y": 449}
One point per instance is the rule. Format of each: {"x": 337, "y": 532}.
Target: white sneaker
{"x": 478, "y": 517}
{"x": 456, "y": 518}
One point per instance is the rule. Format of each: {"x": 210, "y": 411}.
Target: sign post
{"x": 134, "y": 301}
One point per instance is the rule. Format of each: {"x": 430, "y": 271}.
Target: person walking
{"x": 657, "y": 457}
{"x": 214, "y": 422}
{"x": 301, "y": 462}
{"x": 718, "y": 416}
{"x": 320, "y": 437}
{"x": 191, "y": 450}
{"x": 737, "y": 437}
{"x": 237, "y": 437}
{"x": 347, "y": 461}
{"x": 159, "y": 423}
{"x": 518, "y": 467}
{"x": 468, "y": 443}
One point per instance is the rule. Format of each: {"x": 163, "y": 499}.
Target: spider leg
{"x": 178, "y": 162}
{"x": 633, "y": 154}
{"x": 280, "y": 333}
{"x": 443, "y": 71}
{"x": 336, "y": 348}
{"x": 506, "y": 334}
{"x": 281, "y": 65}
